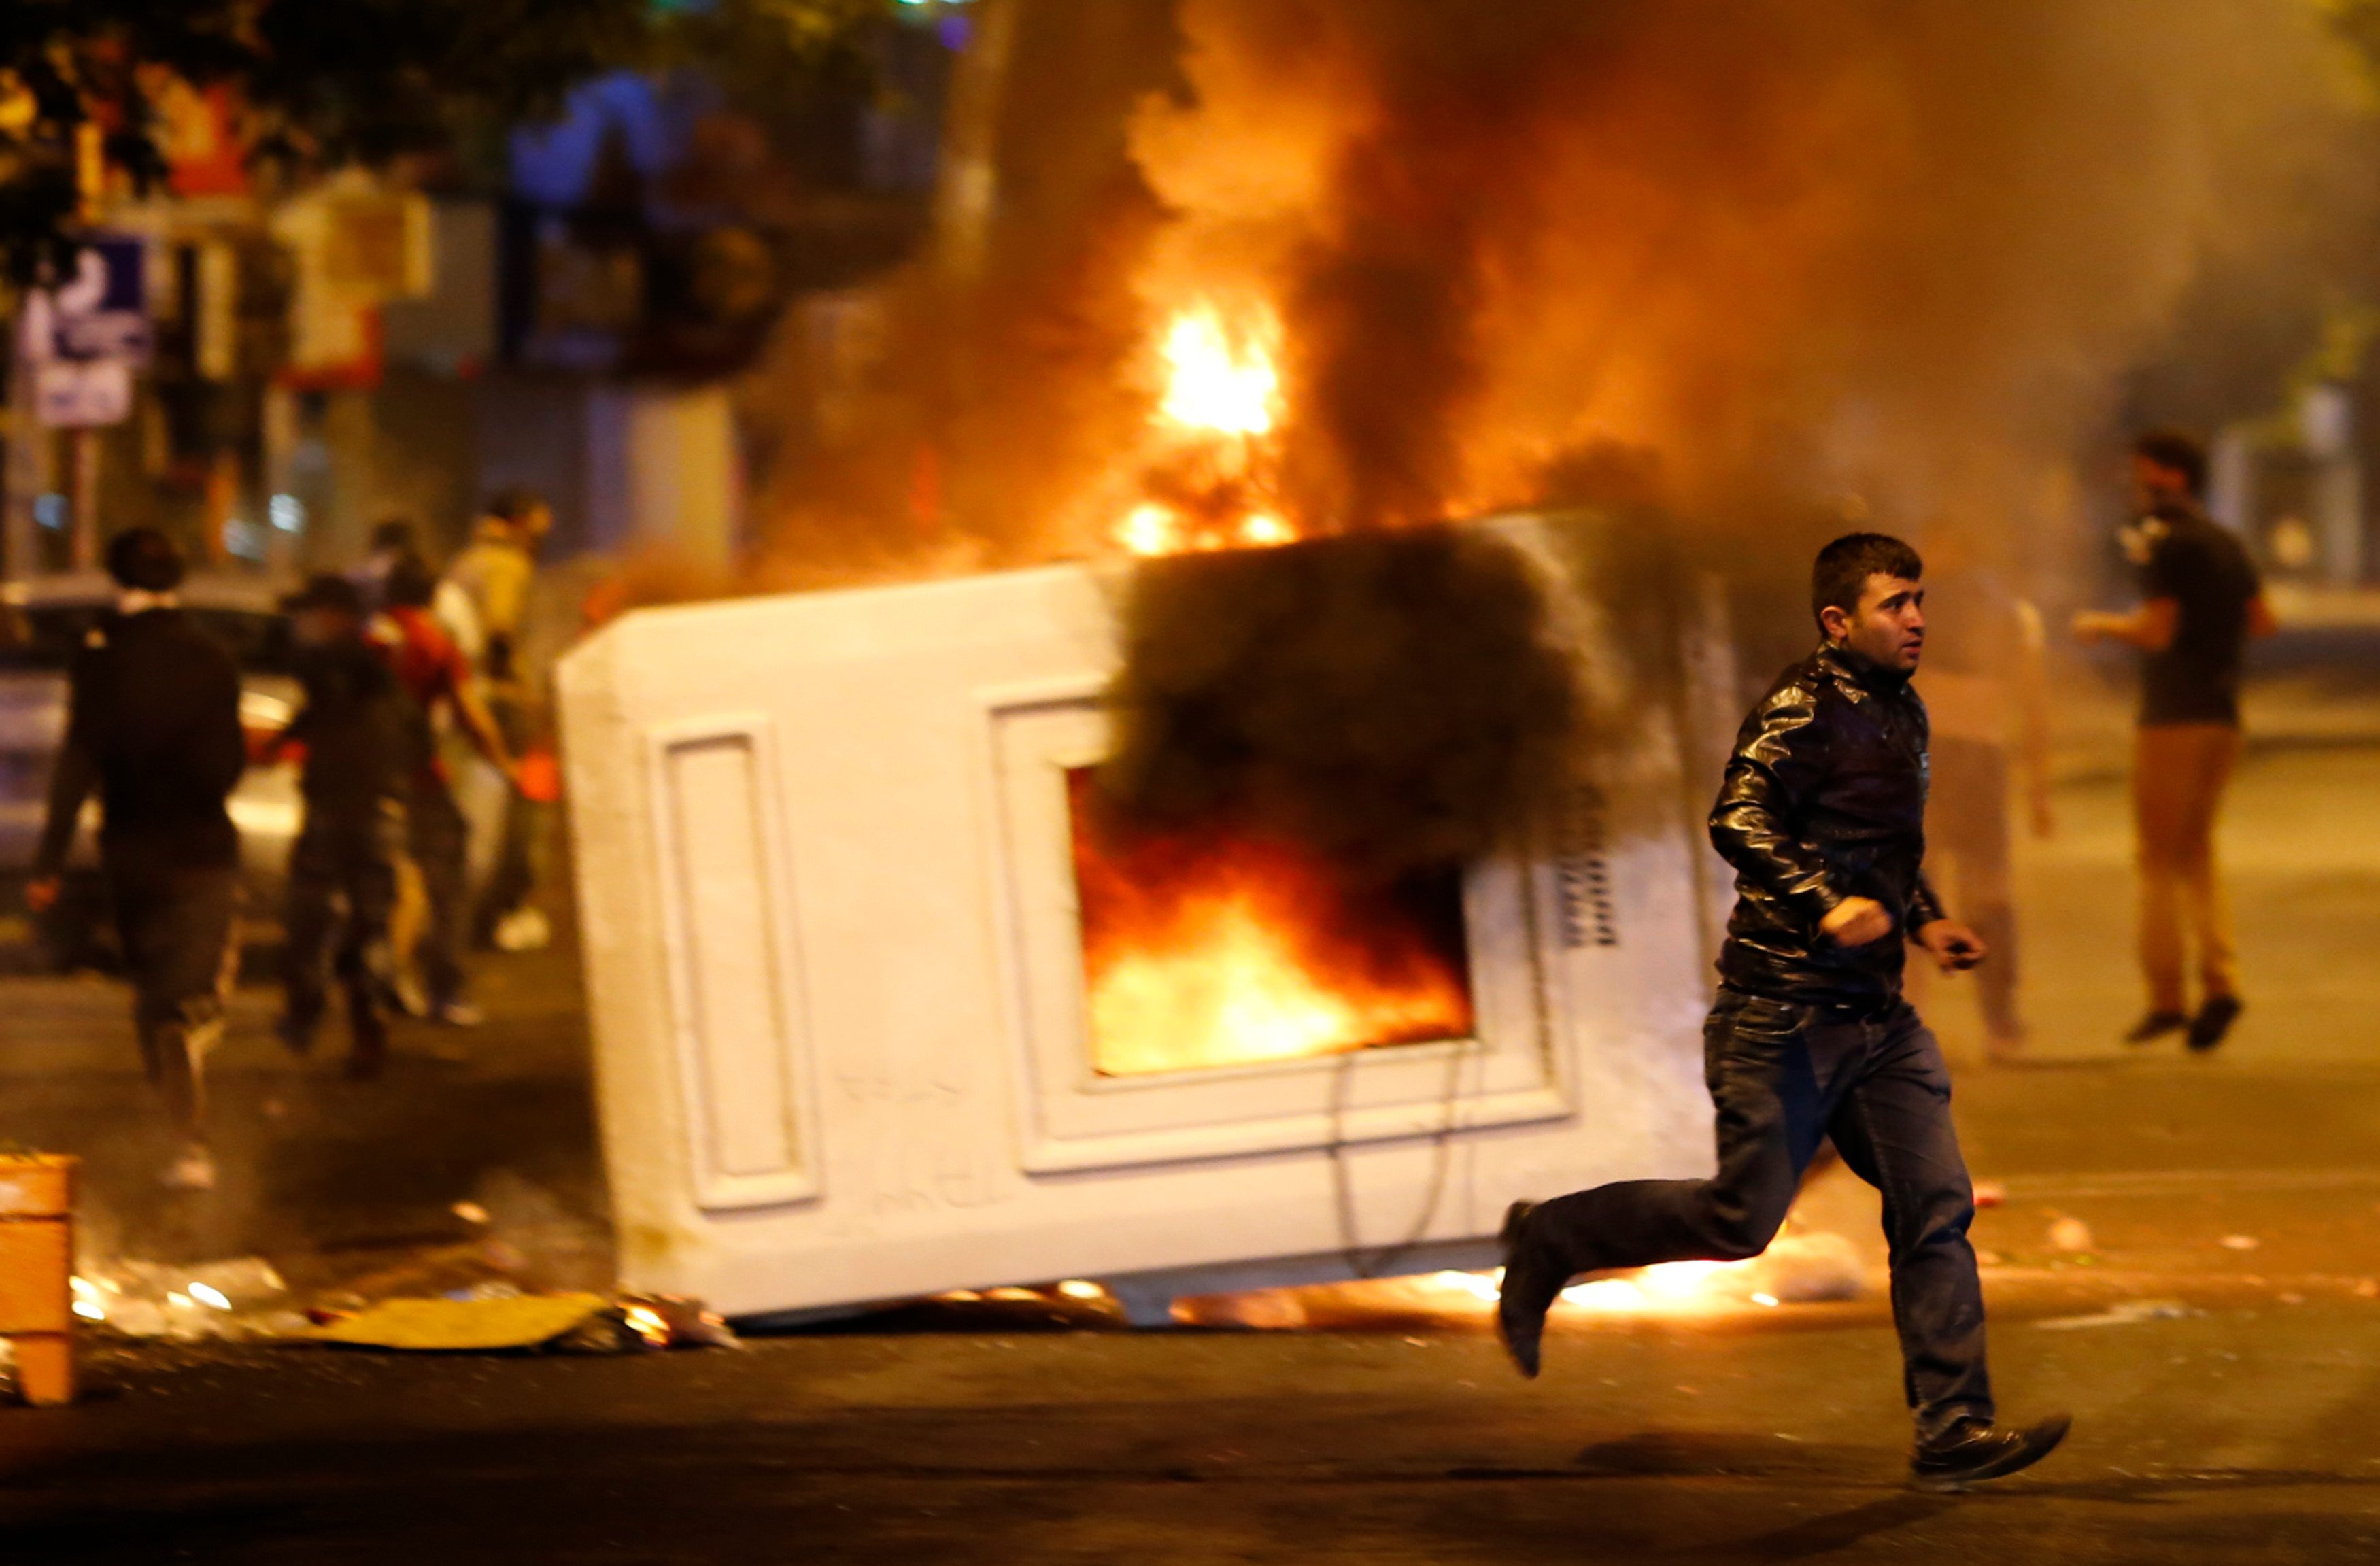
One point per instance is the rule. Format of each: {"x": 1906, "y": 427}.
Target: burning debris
{"x": 1799, "y": 1268}
{"x": 1206, "y": 949}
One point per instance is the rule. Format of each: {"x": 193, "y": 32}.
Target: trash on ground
{"x": 2126, "y": 1314}
{"x": 498, "y": 1316}
{"x": 1990, "y": 1194}
{"x": 235, "y": 1298}
{"x": 450, "y": 1326}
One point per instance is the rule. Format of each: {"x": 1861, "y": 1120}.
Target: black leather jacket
{"x": 1824, "y": 799}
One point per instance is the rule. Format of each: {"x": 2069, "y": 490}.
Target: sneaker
{"x": 457, "y": 1014}
{"x": 404, "y": 995}
{"x": 2156, "y": 1025}
{"x": 523, "y": 929}
{"x": 1528, "y": 1290}
{"x": 193, "y": 1170}
{"x": 2213, "y": 1022}
{"x": 1971, "y": 1452}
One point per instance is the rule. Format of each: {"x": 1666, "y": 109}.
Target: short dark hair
{"x": 392, "y": 533}
{"x": 411, "y": 583}
{"x": 1843, "y": 567}
{"x": 513, "y": 503}
{"x": 326, "y": 590}
{"x": 2177, "y": 450}
{"x": 145, "y": 560}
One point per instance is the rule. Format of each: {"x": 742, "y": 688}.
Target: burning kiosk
{"x": 877, "y": 1014}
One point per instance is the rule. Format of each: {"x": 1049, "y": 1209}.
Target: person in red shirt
{"x": 437, "y": 675}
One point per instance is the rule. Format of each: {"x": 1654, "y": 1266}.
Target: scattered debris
{"x": 1990, "y": 1194}
{"x": 495, "y": 1317}
{"x": 2127, "y": 1314}
{"x": 241, "y": 1297}
{"x": 521, "y": 1322}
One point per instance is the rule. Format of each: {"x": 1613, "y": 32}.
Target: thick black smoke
{"x": 1392, "y": 700}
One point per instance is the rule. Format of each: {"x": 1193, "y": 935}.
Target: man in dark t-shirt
{"x": 152, "y": 727}
{"x": 2201, "y": 602}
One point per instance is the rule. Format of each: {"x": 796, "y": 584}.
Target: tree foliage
{"x": 323, "y": 82}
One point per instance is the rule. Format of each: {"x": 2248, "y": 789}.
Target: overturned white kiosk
{"x": 835, "y": 961}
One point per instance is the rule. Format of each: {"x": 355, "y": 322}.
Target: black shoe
{"x": 2156, "y": 1025}
{"x": 367, "y": 1038}
{"x": 297, "y": 1035}
{"x": 1971, "y": 1452}
{"x": 2214, "y": 1022}
{"x": 1529, "y": 1289}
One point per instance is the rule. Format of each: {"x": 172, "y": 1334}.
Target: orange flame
{"x": 1211, "y": 950}
{"x": 1215, "y": 382}
{"x": 1220, "y": 403}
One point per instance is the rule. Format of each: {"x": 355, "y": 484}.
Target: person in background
{"x": 2201, "y": 602}
{"x": 393, "y": 539}
{"x": 1987, "y": 699}
{"x": 152, "y": 723}
{"x": 360, "y": 744}
{"x": 437, "y": 679}
{"x": 493, "y": 578}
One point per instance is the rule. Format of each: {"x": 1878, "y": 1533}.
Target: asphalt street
{"x": 2215, "y": 1332}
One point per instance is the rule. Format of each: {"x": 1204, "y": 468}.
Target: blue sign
{"x": 102, "y": 311}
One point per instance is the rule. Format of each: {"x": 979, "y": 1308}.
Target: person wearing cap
{"x": 152, "y": 725}
{"x": 358, "y": 741}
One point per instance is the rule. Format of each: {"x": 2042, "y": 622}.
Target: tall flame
{"x": 1204, "y": 473}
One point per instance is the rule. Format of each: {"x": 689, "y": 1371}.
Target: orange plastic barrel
{"x": 36, "y": 1272}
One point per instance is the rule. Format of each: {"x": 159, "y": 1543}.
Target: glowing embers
{"x": 1204, "y": 950}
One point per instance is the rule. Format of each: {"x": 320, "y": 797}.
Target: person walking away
{"x": 437, "y": 680}
{"x": 358, "y": 739}
{"x": 2201, "y": 602}
{"x": 152, "y": 724}
{"x": 493, "y": 580}
{"x": 1822, "y": 814}
{"x": 1987, "y": 702}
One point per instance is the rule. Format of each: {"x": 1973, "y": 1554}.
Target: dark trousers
{"x": 438, "y": 840}
{"x": 342, "y": 884}
{"x": 176, "y": 923}
{"x": 1781, "y": 1077}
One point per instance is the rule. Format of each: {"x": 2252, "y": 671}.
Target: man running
{"x": 1822, "y": 813}
{"x": 152, "y": 724}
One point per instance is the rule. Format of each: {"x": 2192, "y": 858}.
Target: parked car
{"x": 42, "y": 621}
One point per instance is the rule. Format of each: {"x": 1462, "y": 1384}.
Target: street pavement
{"x": 2187, "y": 1258}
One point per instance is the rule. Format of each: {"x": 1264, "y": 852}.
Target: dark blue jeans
{"x": 1782, "y": 1075}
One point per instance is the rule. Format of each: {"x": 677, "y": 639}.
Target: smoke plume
{"x": 1785, "y": 247}
{"x": 1390, "y": 700}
